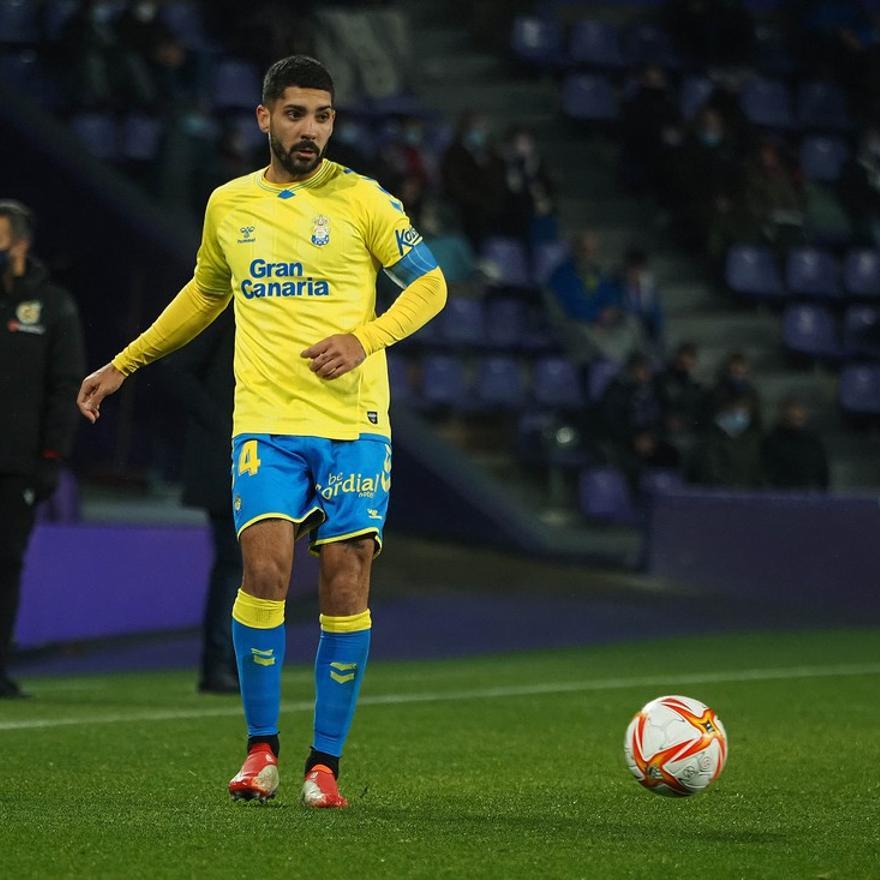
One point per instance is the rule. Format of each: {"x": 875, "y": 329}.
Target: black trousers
{"x": 218, "y": 655}
{"x": 16, "y": 524}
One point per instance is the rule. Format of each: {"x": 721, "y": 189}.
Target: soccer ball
{"x": 675, "y": 746}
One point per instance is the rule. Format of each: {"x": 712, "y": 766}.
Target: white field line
{"x": 785, "y": 673}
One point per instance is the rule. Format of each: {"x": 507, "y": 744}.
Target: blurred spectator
{"x": 41, "y": 362}
{"x": 859, "y": 187}
{"x": 529, "y": 186}
{"x": 730, "y": 452}
{"x": 474, "y": 178}
{"x": 632, "y": 420}
{"x": 794, "y": 455}
{"x": 650, "y": 131}
{"x": 734, "y": 383}
{"x": 640, "y": 297}
{"x": 683, "y": 397}
{"x": 201, "y": 378}
{"x": 450, "y": 248}
{"x": 712, "y": 32}
{"x": 774, "y": 197}
{"x": 589, "y": 307}
{"x": 408, "y": 165}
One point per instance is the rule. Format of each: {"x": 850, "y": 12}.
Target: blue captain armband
{"x": 419, "y": 261}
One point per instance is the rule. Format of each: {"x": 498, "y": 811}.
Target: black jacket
{"x": 41, "y": 366}
{"x": 200, "y": 377}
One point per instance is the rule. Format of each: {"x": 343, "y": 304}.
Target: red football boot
{"x": 320, "y": 790}
{"x": 258, "y": 777}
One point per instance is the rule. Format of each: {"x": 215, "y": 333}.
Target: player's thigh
{"x": 267, "y": 558}
{"x": 344, "y": 580}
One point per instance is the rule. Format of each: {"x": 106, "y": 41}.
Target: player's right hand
{"x": 95, "y": 387}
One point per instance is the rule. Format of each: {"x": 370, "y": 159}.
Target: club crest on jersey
{"x": 29, "y": 312}
{"x": 320, "y": 231}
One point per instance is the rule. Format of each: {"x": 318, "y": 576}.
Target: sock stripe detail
{"x": 347, "y": 624}
{"x": 257, "y": 613}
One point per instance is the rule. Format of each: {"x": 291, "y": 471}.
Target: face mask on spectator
{"x": 733, "y": 422}
{"x": 710, "y": 138}
{"x": 475, "y": 138}
{"x": 412, "y": 135}
{"x": 145, "y": 11}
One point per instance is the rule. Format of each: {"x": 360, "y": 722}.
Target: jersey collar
{"x": 316, "y": 179}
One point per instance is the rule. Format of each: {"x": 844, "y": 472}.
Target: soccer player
{"x": 296, "y": 247}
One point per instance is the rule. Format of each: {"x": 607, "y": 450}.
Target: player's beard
{"x": 293, "y": 166}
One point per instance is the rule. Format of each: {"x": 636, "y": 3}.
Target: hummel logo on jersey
{"x": 247, "y": 234}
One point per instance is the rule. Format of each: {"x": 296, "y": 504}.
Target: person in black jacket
{"x": 41, "y": 359}
{"x": 201, "y": 378}
{"x": 794, "y": 455}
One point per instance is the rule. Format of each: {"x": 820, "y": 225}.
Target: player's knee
{"x": 266, "y": 578}
{"x": 346, "y": 570}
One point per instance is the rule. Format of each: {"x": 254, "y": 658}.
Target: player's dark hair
{"x": 296, "y": 70}
{"x": 21, "y": 219}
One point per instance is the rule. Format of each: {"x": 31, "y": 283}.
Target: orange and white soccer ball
{"x": 676, "y": 746}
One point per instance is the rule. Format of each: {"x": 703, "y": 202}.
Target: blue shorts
{"x": 332, "y": 489}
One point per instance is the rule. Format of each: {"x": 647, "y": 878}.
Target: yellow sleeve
{"x": 190, "y": 312}
{"x": 416, "y": 305}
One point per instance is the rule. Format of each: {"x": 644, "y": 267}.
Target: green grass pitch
{"x": 497, "y": 767}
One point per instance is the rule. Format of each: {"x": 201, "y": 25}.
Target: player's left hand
{"x": 335, "y": 356}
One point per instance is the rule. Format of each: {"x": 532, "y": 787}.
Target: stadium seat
{"x": 695, "y": 91}
{"x": 645, "y": 44}
{"x": 141, "y": 136}
{"x": 98, "y": 134}
{"x": 811, "y": 330}
{"x": 767, "y": 102}
{"x": 184, "y": 20}
{"x": 235, "y": 84}
{"x": 861, "y": 332}
{"x": 660, "y": 481}
{"x": 602, "y": 373}
{"x": 499, "y": 383}
{"x": 399, "y": 378}
{"x": 461, "y": 322}
{"x": 537, "y": 40}
{"x": 822, "y": 158}
{"x": 19, "y": 21}
{"x": 546, "y": 257}
{"x": 556, "y": 383}
{"x": 859, "y": 391}
{"x": 822, "y": 105}
{"x": 538, "y": 336}
{"x": 861, "y": 272}
{"x": 596, "y": 44}
{"x": 812, "y": 272}
{"x": 509, "y": 259}
{"x": 55, "y": 16}
{"x": 505, "y": 320}
{"x": 752, "y": 271}
{"x": 443, "y": 381}
{"x": 589, "y": 98}
{"x": 603, "y": 494}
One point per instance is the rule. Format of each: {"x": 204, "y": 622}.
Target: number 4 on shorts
{"x": 249, "y": 460}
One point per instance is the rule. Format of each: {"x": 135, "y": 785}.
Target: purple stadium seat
{"x": 811, "y": 330}
{"x": 648, "y": 44}
{"x": 98, "y": 134}
{"x": 861, "y": 272}
{"x": 184, "y": 20}
{"x": 859, "y": 391}
{"x": 536, "y": 40}
{"x": 695, "y": 91}
{"x": 443, "y": 381}
{"x": 812, "y": 272}
{"x": 752, "y": 271}
{"x": 556, "y": 383}
{"x": 499, "y": 383}
{"x": 822, "y": 105}
{"x": 237, "y": 85}
{"x": 19, "y": 21}
{"x": 546, "y": 257}
{"x": 861, "y": 332}
{"x": 822, "y": 158}
{"x": 505, "y": 321}
{"x": 399, "y": 378}
{"x": 461, "y": 322}
{"x": 767, "y": 102}
{"x": 595, "y": 43}
{"x": 141, "y": 136}
{"x": 55, "y": 16}
{"x": 538, "y": 336}
{"x": 509, "y": 257}
{"x": 660, "y": 481}
{"x": 603, "y": 494}
{"x": 590, "y": 98}
{"x": 602, "y": 374}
